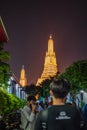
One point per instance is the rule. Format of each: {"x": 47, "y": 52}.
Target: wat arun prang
{"x": 50, "y": 65}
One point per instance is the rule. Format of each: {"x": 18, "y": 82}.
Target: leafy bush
{"x": 9, "y": 102}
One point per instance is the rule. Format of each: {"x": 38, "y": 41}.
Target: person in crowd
{"x": 40, "y": 108}
{"x": 60, "y": 116}
{"x": 45, "y": 106}
{"x": 84, "y": 111}
{"x": 28, "y": 115}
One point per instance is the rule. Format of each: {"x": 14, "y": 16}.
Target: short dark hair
{"x": 60, "y": 87}
{"x": 29, "y": 98}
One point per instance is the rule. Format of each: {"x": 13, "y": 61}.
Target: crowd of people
{"x": 58, "y": 115}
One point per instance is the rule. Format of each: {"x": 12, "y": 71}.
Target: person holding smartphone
{"x": 28, "y": 114}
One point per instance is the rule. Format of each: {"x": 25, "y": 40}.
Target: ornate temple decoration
{"x": 50, "y": 64}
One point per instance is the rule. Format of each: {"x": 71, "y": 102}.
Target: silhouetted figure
{"x": 59, "y": 116}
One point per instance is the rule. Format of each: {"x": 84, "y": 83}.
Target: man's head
{"x": 59, "y": 88}
{"x": 31, "y": 99}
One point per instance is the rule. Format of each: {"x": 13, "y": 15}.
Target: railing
{"x": 15, "y": 87}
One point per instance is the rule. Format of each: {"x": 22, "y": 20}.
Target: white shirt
{"x": 27, "y": 115}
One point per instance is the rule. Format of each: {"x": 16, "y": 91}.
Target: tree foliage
{"x": 4, "y": 67}
{"x": 77, "y": 75}
{"x": 32, "y": 89}
{"x": 9, "y": 102}
{"x": 45, "y": 87}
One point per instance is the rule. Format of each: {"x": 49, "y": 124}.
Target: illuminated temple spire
{"x": 23, "y": 79}
{"x": 50, "y": 65}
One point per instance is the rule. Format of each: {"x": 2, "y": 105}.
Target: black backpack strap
{"x": 44, "y": 119}
{"x": 27, "y": 125}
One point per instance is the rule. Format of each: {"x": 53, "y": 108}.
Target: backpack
{"x": 44, "y": 119}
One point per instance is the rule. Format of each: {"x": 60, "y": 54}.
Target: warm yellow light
{"x": 50, "y": 65}
{"x": 23, "y": 79}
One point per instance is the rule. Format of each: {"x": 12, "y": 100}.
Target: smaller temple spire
{"x": 23, "y": 79}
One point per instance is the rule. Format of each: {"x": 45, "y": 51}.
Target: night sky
{"x": 29, "y": 24}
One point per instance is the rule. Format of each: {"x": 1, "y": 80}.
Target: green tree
{"x": 31, "y": 89}
{"x": 9, "y": 102}
{"x": 45, "y": 87}
{"x": 4, "y": 67}
{"x": 77, "y": 75}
